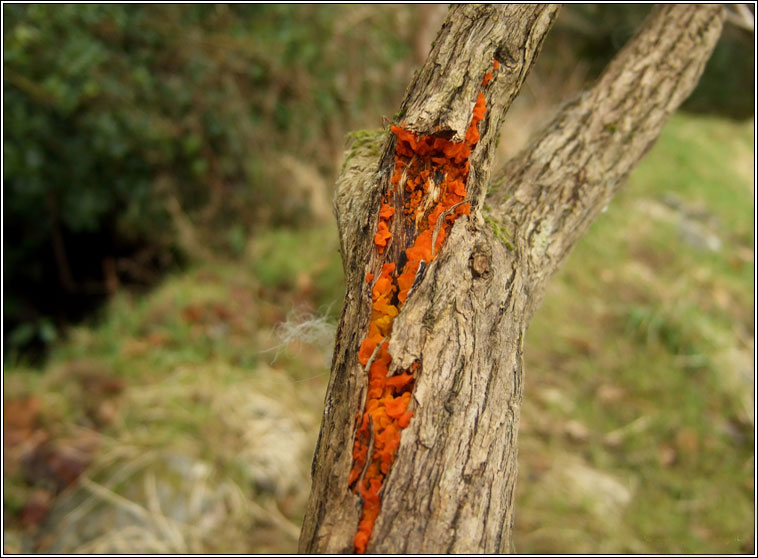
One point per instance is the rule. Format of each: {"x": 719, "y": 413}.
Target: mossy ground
{"x": 637, "y": 427}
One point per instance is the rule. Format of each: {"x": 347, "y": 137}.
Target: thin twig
{"x": 164, "y": 524}
{"x": 117, "y": 500}
{"x": 417, "y": 279}
{"x": 742, "y": 18}
{"x": 440, "y": 219}
{"x": 368, "y": 453}
{"x": 366, "y": 370}
{"x": 373, "y": 356}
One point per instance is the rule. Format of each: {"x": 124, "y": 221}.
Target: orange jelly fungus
{"x": 430, "y": 177}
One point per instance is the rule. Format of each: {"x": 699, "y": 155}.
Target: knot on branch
{"x": 480, "y": 264}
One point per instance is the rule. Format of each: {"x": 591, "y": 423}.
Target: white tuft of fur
{"x": 305, "y": 327}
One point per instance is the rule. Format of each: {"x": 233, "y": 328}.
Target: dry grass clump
{"x": 207, "y": 459}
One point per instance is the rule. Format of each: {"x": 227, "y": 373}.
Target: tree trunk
{"x": 451, "y": 482}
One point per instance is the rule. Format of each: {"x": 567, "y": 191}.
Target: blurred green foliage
{"x": 138, "y": 137}
{"x": 127, "y": 124}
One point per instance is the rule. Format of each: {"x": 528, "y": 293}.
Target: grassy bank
{"x": 184, "y": 420}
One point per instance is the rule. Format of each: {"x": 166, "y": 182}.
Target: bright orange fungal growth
{"x": 383, "y": 234}
{"x": 430, "y": 177}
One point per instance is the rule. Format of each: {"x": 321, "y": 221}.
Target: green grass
{"x": 208, "y": 376}
{"x": 633, "y": 367}
{"x": 667, "y": 326}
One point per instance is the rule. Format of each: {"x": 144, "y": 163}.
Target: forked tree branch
{"x": 451, "y": 485}
{"x": 553, "y": 190}
{"x": 439, "y": 100}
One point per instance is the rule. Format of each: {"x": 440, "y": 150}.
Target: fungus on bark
{"x": 429, "y": 178}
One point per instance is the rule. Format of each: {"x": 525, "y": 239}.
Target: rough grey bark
{"x": 452, "y": 484}
{"x": 552, "y": 191}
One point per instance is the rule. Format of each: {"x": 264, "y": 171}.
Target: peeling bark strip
{"x": 452, "y": 480}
